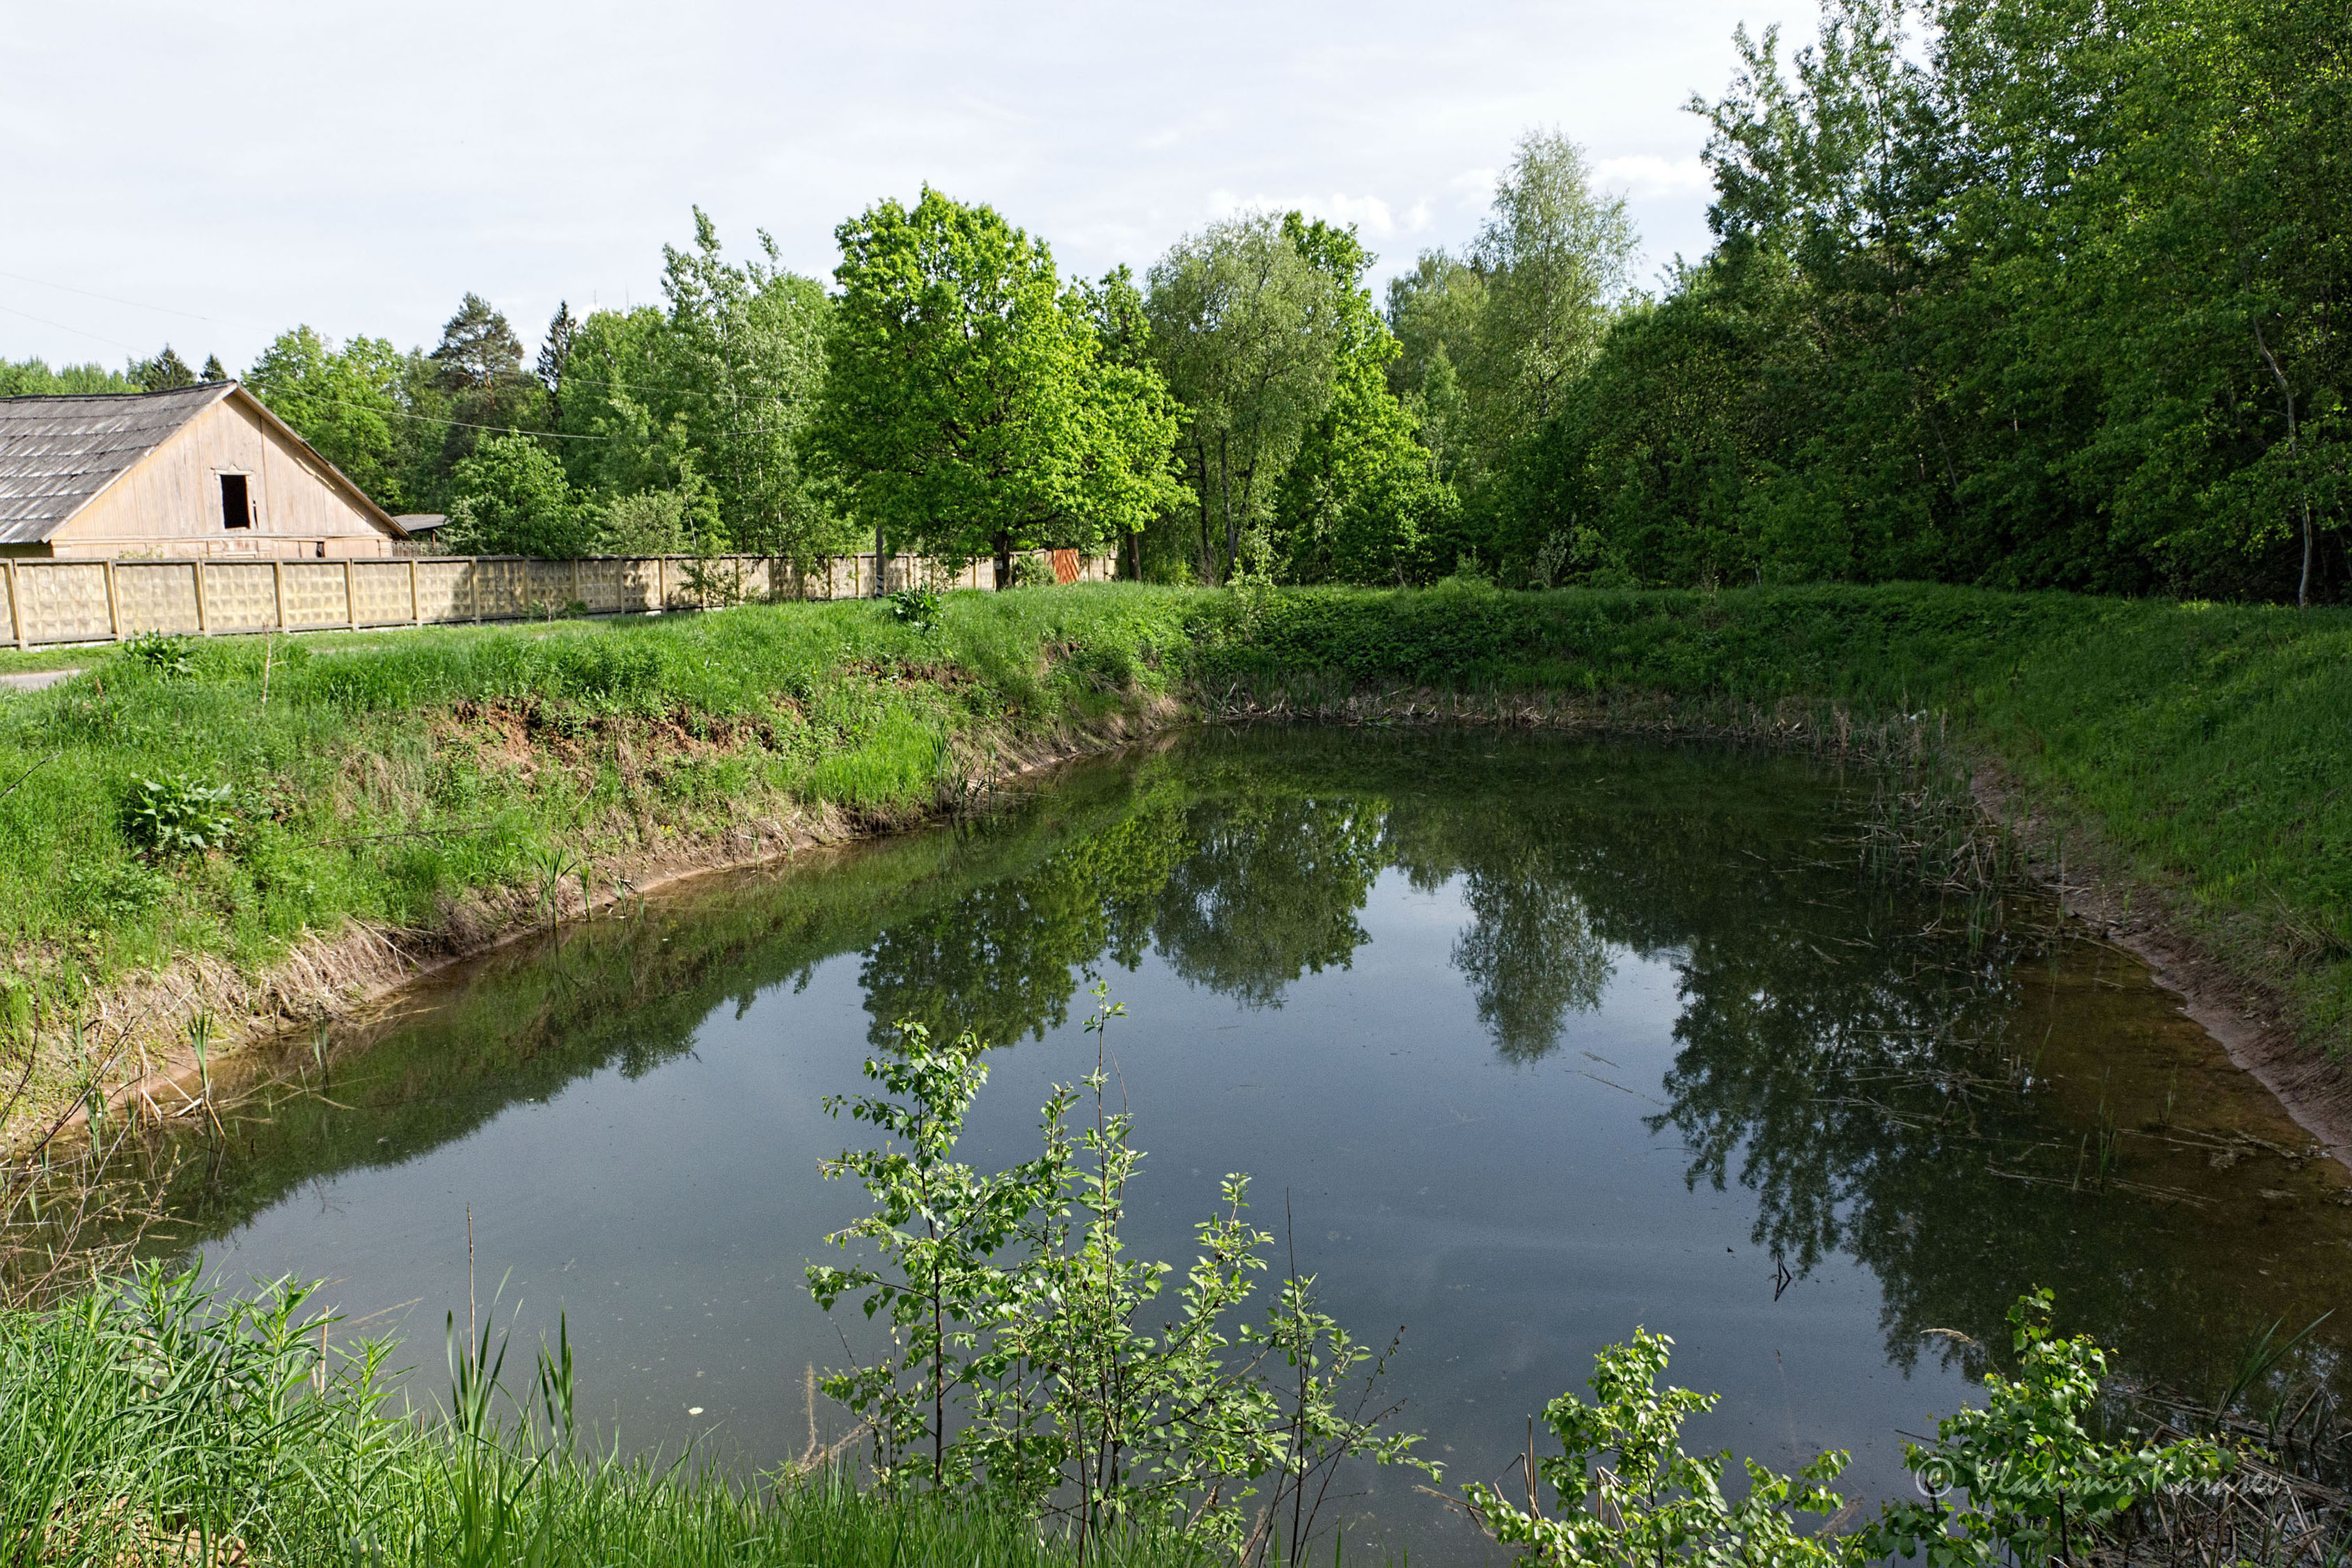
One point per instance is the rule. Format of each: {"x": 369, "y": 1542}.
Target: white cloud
{"x": 1474, "y": 189}
{"x": 1647, "y": 175}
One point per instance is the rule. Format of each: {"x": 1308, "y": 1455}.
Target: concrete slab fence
{"x": 107, "y": 601}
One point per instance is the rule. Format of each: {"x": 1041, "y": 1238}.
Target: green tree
{"x": 345, "y": 401}
{"x": 2028, "y": 295}
{"x": 512, "y": 499}
{"x": 620, "y": 405}
{"x": 477, "y": 349}
{"x": 1361, "y": 501}
{"x": 706, "y": 399}
{"x": 965, "y": 408}
{"x": 1114, "y": 310}
{"x": 1434, "y": 312}
{"x": 1246, "y": 330}
{"x": 741, "y": 363}
{"x": 1557, "y": 259}
{"x": 553, "y": 351}
{"x": 34, "y": 378}
{"x": 473, "y": 383}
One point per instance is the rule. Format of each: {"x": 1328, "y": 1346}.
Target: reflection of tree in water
{"x": 1002, "y": 960}
{"x": 1244, "y": 881}
{"x": 1243, "y": 896}
{"x": 1835, "y": 1057}
{"x": 1872, "y": 1094}
{"x": 1531, "y": 955}
{"x": 1795, "y": 1050}
{"x": 1269, "y": 893}
{"x": 1840, "y": 1054}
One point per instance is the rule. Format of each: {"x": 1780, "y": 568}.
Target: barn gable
{"x": 195, "y": 471}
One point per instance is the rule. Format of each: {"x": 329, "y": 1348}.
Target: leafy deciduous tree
{"x": 965, "y": 408}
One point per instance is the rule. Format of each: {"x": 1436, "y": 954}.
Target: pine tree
{"x": 213, "y": 369}
{"x": 560, "y": 330}
{"x": 165, "y": 372}
{"x": 479, "y": 349}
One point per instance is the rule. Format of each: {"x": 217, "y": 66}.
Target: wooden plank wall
{"x": 102, "y": 601}
{"x": 171, "y": 500}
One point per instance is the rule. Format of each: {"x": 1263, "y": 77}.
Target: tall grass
{"x": 148, "y": 1421}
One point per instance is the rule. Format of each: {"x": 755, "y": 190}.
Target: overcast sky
{"x": 221, "y": 172}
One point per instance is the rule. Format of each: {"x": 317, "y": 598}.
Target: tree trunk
{"x": 1225, "y": 484}
{"x": 878, "y": 558}
{"x": 1003, "y": 561}
{"x": 1207, "y": 560}
{"x": 2294, "y": 456}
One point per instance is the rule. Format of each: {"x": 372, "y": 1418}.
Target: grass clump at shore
{"x": 145, "y": 1421}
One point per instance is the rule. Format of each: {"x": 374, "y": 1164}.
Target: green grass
{"x": 451, "y": 780}
{"x": 145, "y": 1422}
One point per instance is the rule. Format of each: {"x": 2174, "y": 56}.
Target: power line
{"x": 135, "y": 304}
{"x": 698, "y": 391}
{"x": 94, "y": 337}
{"x": 424, "y": 418}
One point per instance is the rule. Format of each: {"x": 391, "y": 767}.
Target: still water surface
{"x": 1539, "y": 1039}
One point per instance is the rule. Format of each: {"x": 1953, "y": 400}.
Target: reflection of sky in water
{"x": 1513, "y": 1212}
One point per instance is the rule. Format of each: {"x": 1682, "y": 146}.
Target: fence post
{"x": 350, "y": 598}
{"x": 204, "y": 616}
{"x": 415, "y": 605}
{"x": 17, "y": 617}
{"x": 278, "y": 589}
{"x": 113, "y": 609}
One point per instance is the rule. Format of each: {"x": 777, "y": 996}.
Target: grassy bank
{"x": 388, "y": 796}
{"x": 435, "y": 787}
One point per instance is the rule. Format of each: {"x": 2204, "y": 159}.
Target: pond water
{"x": 1537, "y": 1038}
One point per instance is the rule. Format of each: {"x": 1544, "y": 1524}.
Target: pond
{"x": 1534, "y": 1039}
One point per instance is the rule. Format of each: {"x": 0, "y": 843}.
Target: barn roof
{"x": 58, "y": 452}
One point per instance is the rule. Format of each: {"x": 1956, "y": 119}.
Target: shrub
{"x": 2024, "y": 1480}
{"x": 916, "y": 607}
{"x": 178, "y": 815}
{"x": 1624, "y": 1492}
{"x": 1036, "y": 1362}
{"x": 169, "y": 656}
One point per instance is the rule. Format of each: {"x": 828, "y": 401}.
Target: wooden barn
{"x": 196, "y": 471}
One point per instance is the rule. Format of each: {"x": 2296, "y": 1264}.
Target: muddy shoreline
{"x": 2249, "y": 1019}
